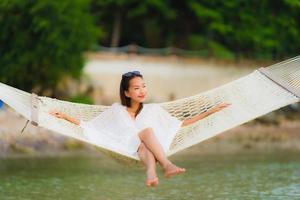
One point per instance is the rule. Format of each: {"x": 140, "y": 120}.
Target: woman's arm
{"x": 205, "y": 114}
{"x": 62, "y": 115}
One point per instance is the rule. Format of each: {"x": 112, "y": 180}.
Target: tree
{"x": 42, "y": 41}
{"x": 226, "y": 29}
{"x": 136, "y": 21}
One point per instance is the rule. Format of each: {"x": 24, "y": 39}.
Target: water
{"x": 234, "y": 176}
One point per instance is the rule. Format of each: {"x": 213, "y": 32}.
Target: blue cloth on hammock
{"x": 1, "y": 104}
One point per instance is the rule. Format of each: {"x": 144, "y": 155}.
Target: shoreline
{"x": 249, "y": 137}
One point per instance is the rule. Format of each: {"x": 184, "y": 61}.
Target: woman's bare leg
{"x": 148, "y": 138}
{"x": 149, "y": 161}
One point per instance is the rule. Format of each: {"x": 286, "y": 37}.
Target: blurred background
{"x": 77, "y": 50}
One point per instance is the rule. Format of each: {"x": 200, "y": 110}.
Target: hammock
{"x": 258, "y": 93}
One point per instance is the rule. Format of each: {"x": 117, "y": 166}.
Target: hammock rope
{"x": 256, "y": 94}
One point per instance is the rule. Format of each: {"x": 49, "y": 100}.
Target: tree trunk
{"x": 116, "y": 32}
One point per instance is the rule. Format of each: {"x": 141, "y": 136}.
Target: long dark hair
{"x": 124, "y": 86}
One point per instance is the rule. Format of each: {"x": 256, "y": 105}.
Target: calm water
{"x": 242, "y": 176}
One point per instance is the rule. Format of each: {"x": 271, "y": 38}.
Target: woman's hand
{"x": 57, "y": 113}
{"x": 219, "y": 107}
{"x": 216, "y": 108}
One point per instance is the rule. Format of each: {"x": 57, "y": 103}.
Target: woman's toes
{"x": 152, "y": 182}
{"x": 173, "y": 170}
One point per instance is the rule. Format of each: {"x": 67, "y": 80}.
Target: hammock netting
{"x": 260, "y": 92}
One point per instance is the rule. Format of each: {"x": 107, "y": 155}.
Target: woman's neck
{"x": 134, "y": 106}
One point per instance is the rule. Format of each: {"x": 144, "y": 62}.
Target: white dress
{"x": 116, "y": 129}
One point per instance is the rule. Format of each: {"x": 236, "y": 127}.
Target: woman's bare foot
{"x": 152, "y": 182}
{"x": 152, "y": 179}
{"x": 172, "y": 170}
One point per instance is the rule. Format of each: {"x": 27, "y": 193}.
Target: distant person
{"x": 145, "y": 129}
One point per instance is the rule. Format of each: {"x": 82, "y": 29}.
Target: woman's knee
{"x": 145, "y": 132}
{"x": 148, "y": 129}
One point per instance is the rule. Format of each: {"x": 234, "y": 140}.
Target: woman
{"x": 145, "y": 129}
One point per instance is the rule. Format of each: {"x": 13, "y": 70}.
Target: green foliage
{"x": 219, "y": 51}
{"x": 72, "y": 145}
{"x": 81, "y": 99}
{"x": 262, "y": 29}
{"x": 41, "y": 41}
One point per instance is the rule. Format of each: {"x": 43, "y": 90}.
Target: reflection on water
{"x": 235, "y": 176}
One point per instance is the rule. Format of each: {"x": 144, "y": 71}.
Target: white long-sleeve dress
{"x": 116, "y": 129}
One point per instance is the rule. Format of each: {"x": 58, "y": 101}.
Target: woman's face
{"x": 137, "y": 90}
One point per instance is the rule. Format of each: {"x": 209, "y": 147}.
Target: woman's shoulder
{"x": 116, "y": 105}
{"x": 152, "y": 106}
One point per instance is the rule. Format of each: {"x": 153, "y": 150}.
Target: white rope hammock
{"x": 251, "y": 96}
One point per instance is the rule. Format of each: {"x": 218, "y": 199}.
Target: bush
{"x": 41, "y": 41}
{"x": 82, "y": 99}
